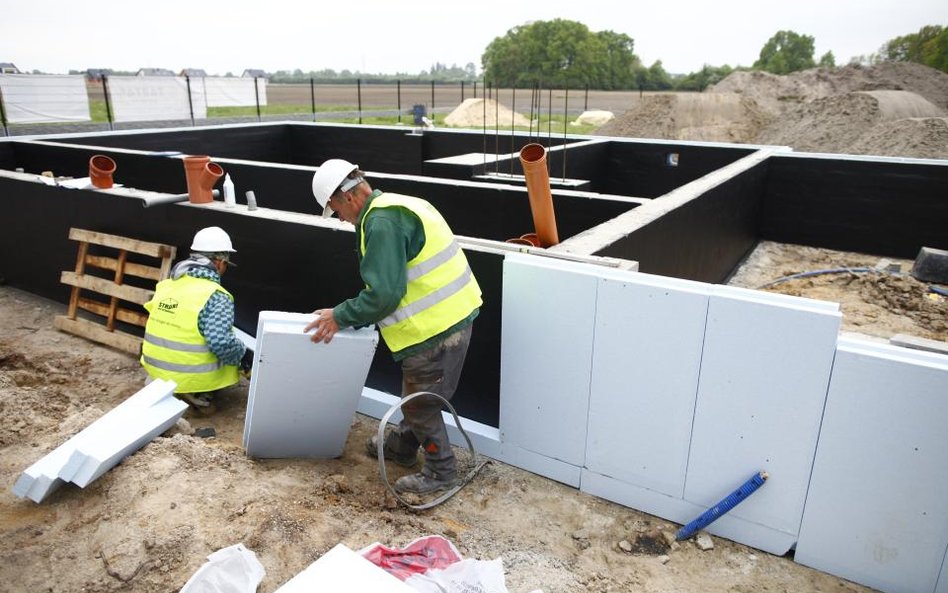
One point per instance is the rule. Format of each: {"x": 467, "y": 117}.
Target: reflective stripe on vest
{"x": 441, "y": 289}
{"x": 173, "y": 347}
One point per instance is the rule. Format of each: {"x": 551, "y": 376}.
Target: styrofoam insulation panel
{"x": 681, "y": 511}
{"x": 765, "y": 370}
{"x": 104, "y": 443}
{"x": 876, "y": 512}
{"x": 486, "y": 439}
{"x": 942, "y": 586}
{"x": 649, "y": 331}
{"x": 303, "y": 395}
{"x": 341, "y": 569}
{"x": 549, "y": 312}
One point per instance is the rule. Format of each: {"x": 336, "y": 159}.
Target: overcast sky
{"x": 374, "y": 36}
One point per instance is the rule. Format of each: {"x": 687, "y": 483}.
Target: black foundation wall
{"x": 869, "y": 206}
{"x": 281, "y": 266}
{"x": 141, "y": 171}
{"x": 643, "y": 170}
{"x": 704, "y": 238}
{"x": 268, "y": 143}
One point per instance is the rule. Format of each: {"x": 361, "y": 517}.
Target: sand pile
{"x": 718, "y": 117}
{"x": 484, "y": 112}
{"x": 846, "y": 123}
{"x": 890, "y": 109}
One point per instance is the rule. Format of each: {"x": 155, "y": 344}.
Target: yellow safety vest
{"x": 441, "y": 288}
{"x": 174, "y": 348}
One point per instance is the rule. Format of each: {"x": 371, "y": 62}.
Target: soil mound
{"x": 846, "y": 123}
{"x": 719, "y": 117}
{"x": 888, "y": 109}
{"x": 474, "y": 112}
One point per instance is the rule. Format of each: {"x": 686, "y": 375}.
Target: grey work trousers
{"x": 437, "y": 370}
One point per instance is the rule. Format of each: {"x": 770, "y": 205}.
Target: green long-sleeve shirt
{"x": 393, "y": 237}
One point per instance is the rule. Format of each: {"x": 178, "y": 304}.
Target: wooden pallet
{"x": 115, "y": 290}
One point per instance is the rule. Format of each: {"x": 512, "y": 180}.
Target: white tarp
{"x": 233, "y": 92}
{"x": 146, "y": 98}
{"x": 39, "y": 98}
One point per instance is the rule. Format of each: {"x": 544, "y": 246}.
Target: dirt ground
{"x": 148, "y": 524}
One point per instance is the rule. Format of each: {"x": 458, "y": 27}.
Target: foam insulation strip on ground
{"x": 105, "y": 442}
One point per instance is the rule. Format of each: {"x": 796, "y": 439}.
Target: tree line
{"x": 566, "y": 54}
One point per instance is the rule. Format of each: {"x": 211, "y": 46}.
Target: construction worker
{"x": 420, "y": 291}
{"x": 189, "y": 336}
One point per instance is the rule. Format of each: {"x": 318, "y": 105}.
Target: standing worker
{"x": 420, "y": 291}
{"x": 189, "y": 336}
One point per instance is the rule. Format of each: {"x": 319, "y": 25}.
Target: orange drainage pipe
{"x": 202, "y": 174}
{"x": 101, "y": 169}
{"x": 533, "y": 161}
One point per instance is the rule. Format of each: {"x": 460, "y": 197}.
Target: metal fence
{"x": 406, "y": 102}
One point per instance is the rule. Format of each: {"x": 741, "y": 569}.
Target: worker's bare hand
{"x": 325, "y": 326}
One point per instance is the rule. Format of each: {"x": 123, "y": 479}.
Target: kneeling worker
{"x": 420, "y": 291}
{"x": 189, "y": 336}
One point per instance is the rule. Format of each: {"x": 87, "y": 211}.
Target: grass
{"x": 547, "y": 125}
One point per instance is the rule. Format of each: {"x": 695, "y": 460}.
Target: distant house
{"x": 193, "y": 73}
{"x": 254, "y": 73}
{"x": 154, "y": 72}
{"x": 8, "y": 68}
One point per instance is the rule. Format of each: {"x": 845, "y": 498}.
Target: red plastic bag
{"x": 431, "y": 551}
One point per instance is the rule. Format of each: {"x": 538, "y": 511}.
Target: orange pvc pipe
{"x": 533, "y": 161}
{"x": 202, "y": 174}
{"x": 101, "y": 168}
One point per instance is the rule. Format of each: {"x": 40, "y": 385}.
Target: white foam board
{"x": 549, "y": 309}
{"x": 649, "y": 332}
{"x": 681, "y": 511}
{"x": 485, "y": 438}
{"x": 341, "y": 569}
{"x": 942, "y": 586}
{"x": 303, "y": 395}
{"x": 764, "y": 374}
{"x": 104, "y": 443}
{"x": 877, "y": 512}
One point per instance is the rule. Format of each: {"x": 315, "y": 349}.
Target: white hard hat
{"x": 327, "y": 180}
{"x": 212, "y": 239}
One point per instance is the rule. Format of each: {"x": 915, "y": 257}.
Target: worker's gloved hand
{"x": 246, "y": 364}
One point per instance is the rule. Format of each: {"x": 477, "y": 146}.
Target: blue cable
{"x": 714, "y": 513}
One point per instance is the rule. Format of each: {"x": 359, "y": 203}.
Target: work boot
{"x": 198, "y": 400}
{"x": 372, "y": 450}
{"x": 423, "y": 483}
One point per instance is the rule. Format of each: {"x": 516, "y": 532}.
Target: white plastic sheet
{"x": 466, "y": 576}
{"x": 234, "y": 569}
{"x": 40, "y": 98}
{"x": 233, "y": 92}
{"x": 148, "y": 98}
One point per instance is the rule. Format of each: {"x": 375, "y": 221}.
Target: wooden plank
{"x": 107, "y": 287}
{"x": 143, "y": 247}
{"x": 97, "y": 333}
{"x": 80, "y": 268}
{"x": 131, "y": 268}
{"x": 123, "y": 315}
{"x": 119, "y": 280}
{"x": 166, "y": 262}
